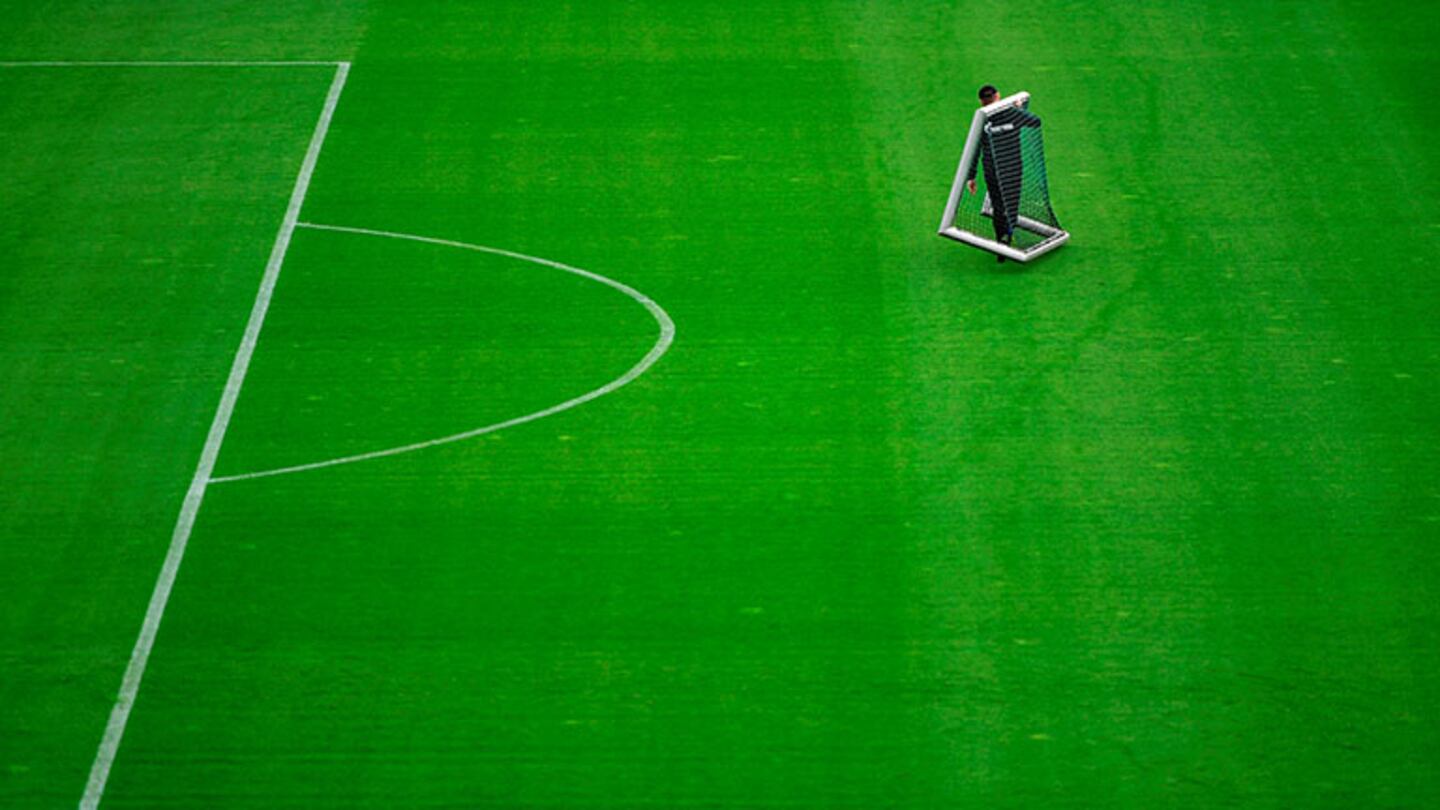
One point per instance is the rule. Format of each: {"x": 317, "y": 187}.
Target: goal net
{"x": 1009, "y": 211}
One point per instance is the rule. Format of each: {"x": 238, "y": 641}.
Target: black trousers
{"x": 1004, "y": 203}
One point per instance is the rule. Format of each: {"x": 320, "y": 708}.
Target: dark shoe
{"x": 999, "y": 259}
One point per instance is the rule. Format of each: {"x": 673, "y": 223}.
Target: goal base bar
{"x": 1054, "y": 238}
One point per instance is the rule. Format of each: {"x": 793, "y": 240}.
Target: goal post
{"x": 1009, "y": 213}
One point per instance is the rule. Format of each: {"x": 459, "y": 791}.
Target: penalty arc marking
{"x": 662, "y": 345}
{"x": 139, "y": 658}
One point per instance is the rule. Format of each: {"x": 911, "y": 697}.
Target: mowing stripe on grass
{"x": 135, "y": 671}
{"x": 662, "y": 344}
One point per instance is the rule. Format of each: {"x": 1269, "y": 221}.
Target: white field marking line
{"x": 662, "y": 344}
{"x": 135, "y": 671}
{"x": 191, "y": 64}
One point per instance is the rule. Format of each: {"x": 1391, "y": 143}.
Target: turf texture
{"x": 1150, "y": 522}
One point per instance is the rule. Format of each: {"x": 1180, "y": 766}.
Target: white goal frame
{"x": 1053, "y": 237}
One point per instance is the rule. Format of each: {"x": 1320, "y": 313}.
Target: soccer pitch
{"x": 557, "y": 405}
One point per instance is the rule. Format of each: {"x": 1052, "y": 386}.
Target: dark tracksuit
{"x": 1004, "y": 171}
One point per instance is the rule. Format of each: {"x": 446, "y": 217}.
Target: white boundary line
{"x": 207, "y": 63}
{"x": 135, "y": 671}
{"x": 662, "y": 344}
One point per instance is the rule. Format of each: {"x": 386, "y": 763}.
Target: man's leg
{"x": 999, "y": 207}
{"x": 999, "y": 213}
{"x": 1011, "y": 194}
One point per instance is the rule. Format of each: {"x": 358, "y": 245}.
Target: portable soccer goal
{"x": 1009, "y": 211}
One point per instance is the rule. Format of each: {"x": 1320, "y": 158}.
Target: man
{"x": 1004, "y": 168}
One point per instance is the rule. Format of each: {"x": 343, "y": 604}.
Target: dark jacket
{"x": 1000, "y": 146}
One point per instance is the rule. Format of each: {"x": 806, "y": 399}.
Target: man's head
{"x": 988, "y": 94}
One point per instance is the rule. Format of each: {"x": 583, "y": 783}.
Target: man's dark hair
{"x": 987, "y": 93}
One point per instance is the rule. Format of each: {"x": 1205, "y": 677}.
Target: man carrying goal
{"x": 1004, "y": 167}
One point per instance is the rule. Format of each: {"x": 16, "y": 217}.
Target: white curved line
{"x": 662, "y": 344}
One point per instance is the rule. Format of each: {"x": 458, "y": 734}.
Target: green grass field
{"x": 1151, "y": 522}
